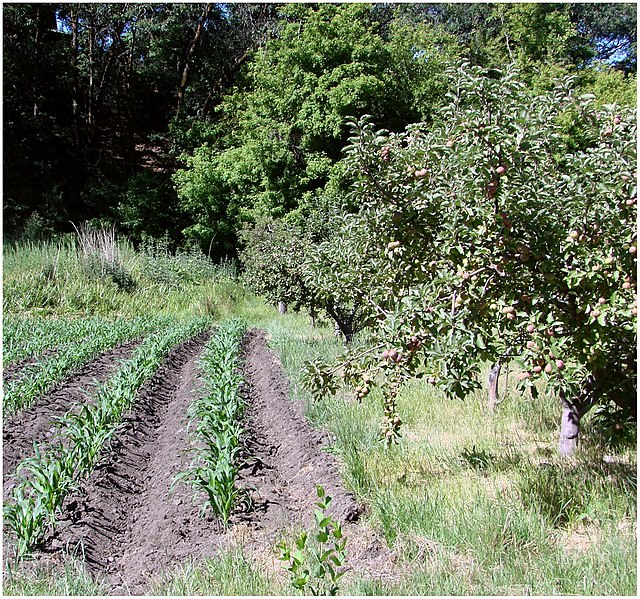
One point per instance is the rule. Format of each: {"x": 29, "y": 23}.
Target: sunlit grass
{"x": 68, "y": 578}
{"x": 475, "y": 502}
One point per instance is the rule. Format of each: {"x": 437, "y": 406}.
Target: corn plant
{"x": 39, "y": 378}
{"x": 44, "y": 480}
{"x": 25, "y": 337}
{"x": 27, "y": 516}
{"x": 214, "y": 423}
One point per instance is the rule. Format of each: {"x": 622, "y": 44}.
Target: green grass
{"x": 487, "y": 494}
{"x": 52, "y": 279}
{"x": 232, "y": 573}
{"x": 67, "y": 579}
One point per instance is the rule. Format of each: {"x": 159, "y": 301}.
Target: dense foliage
{"x": 495, "y": 225}
{"x": 492, "y": 237}
{"x": 105, "y": 101}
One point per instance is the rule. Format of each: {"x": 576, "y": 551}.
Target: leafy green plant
{"x": 316, "y": 563}
{"x": 214, "y": 420}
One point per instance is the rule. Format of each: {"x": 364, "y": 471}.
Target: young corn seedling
{"x": 39, "y": 378}
{"x": 44, "y": 480}
{"x": 213, "y": 471}
{"x": 27, "y": 517}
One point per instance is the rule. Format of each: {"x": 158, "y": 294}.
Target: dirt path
{"x": 36, "y": 423}
{"x": 286, "y": 455}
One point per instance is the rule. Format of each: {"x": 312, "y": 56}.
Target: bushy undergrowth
{"x": 97, "y": 275}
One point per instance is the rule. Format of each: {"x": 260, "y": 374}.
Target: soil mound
{"x": 124, "y": 518}
{"x": 36, "y": 423}
{"x": 287, "y": 457}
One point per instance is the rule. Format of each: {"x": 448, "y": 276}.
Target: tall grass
{"x": 94, "y": 273}
{"x": 474, "y": 502}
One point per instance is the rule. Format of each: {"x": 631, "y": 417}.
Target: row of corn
{"x": 214, "y": 423}
{"x": 77, "y": 343}
{"x": 44, "y": 480}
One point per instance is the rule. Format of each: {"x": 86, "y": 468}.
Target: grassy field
{"x": 470, "y": 502}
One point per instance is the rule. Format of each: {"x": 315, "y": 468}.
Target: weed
{"x": 317, "y": 560}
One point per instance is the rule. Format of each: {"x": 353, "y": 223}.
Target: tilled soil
{"x": 37, "y": 422}
{"x": 286, "y": 458}
{"x": 132, "y": 529}
{"x": 124, "y": 518}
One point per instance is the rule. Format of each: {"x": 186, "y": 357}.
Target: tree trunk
{"x": 282, "y": 307}
{"x": 192, "y": 48}
{"x": 75, "y": 86}
{"x": 569, "y": 427}
{"x": 494, "y": 376}
{"x": 91, "y": 117}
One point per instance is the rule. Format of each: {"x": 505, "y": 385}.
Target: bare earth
{"x": 132, "y": 528}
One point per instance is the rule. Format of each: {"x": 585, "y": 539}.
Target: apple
{"x": 633, "y": 250}
{"x": 523, "y": 376}
{"x": 385, "y": 354}
{"x": 537, "y": 369}
{"x": 500, "y": 170}
{"x": 531, "y": 328}
{"x": 574, "y": 234}
{"x": 450, "y": 143}
{"x": 560, "y": 364}
{"x": 548, "y": 369}
{"x": 617, "y": 120}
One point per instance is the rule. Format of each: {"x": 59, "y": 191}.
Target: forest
{"x": 198, "y": 120}
{"x": 320, "y": 298}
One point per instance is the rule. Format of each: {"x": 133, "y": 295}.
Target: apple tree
{"x": 499, "y": 240}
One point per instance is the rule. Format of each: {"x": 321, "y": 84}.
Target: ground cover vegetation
{"x": 445, "y": 198}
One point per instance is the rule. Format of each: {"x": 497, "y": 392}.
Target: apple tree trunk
{"x": 494, "y": 376}
{"x": 569, "y": 427}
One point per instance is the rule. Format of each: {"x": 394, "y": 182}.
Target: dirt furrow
{"x": 129, "y": 525}
{"x": 36, "y": 423}
{"x": 286, "y": 455}
{"x": 132, "y": 530}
